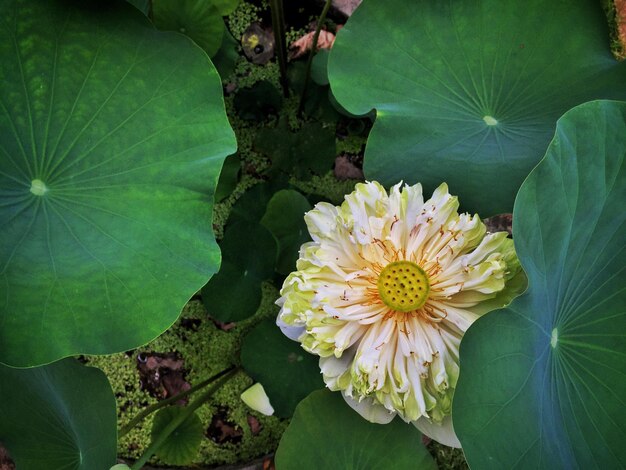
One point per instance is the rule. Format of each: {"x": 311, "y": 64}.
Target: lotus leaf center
{"x": 555, "y": 338}
{"x": 490, "y": 120}
{"x": 38, "y": 187}
{"x": 403, "y": 286}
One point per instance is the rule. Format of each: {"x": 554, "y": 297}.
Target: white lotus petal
{"x": 292, "y": 332}
{"x": 441, "y": 432}
{"x": 370, "y": 410}
{"x": 256, "y": 398}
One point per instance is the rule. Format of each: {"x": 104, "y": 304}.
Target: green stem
{"x": 278, "y": 24}
{"x": 156, "y": 406}
{"x": 178, "y": 420}
{"x": 309, "y": 62}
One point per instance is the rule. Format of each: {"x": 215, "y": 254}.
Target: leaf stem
{"x": 178, "y": 420}
{"x": 309, "y": 62}
{"x": 173, "y": 399}
{"x": 278, "y": 24}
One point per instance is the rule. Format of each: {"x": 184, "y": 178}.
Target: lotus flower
{"x": 384, "y": 293}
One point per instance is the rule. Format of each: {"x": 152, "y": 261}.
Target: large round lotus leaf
{"x": 198, "y": 19}
{"x": 251, "y": 206}
{"x": 249, "y": 252}
{"x": 58, "y": 416}
{"x": 319, "y": 67}
{"x": 258, "y": 102}
{"x": 286, "y": 371}
{"x": 284, "y": 218}
{"x": 112, "y": 135}
{"x": 225, "y": 59}
{"x": 543, "y": 382}
{"x": 309, "y": 150}
{"x": 182, "y": 445}
{"x": 326, "y": 433}
{"x": 468, "y": 92}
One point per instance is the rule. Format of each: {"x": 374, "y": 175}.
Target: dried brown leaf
{"x": 255, "y": 425}
{"x": 162, "y": 375}
{"x": 303, "y": 45}
{"x": 499, "y": 223}
{"x": 222, "y": 431}
{"x": 5, "y": 461}
{"x": 345, "y": 169}
{"x": 346, "y": 7}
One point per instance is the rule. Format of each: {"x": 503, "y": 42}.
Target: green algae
{"x": 292, "y": 35}
{"x": 247, "y": 74}
{"x": 351, "y": 144}
{"x": 290, "y": 112}
{"x": 447, "y": 458}
{"x": 617, "y": 48}
{"x": 239, "y": 20}
{"x": 326, "y": 187}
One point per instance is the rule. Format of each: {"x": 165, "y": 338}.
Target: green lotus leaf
{"x": 258, "y": 102}
{"x": 286, "y": 371}
{"x": 317, "y": 105}
{"x": 326, "y": 433}
{"x": 225, "y": 60}
{"x": 225, "y": 7}
{"x": 319, "y": 67}
{"x": 181, "y": 447}
{"x": 309, "y": 150}
{"x": 112, "y": 135}
{"x": 199, "y": 19}
{"x": 251, "y": 206}
{"x": 58, "y": 416}
{"x": 543, "y": 382}
{"x": 468, "y": 92}
{"x": 249, "y": 254}
{"x": 142, "y": 5}
{"x": 284, "y": 218}
{"x": 229, "y": 177}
